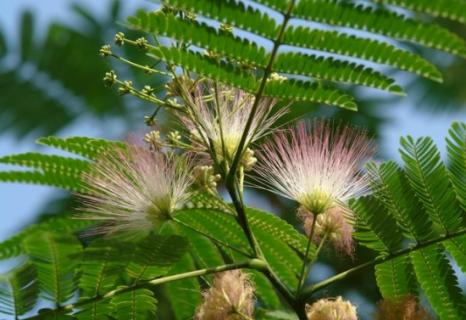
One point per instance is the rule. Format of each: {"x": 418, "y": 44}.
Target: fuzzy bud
{"x": 205, "y": 177}
{"x": 231, "y": 297}
{"x": 226, "y": 28}
{"x": 126, "y": 87}
{"x": 406, "y": 308}
{"x": 334, "y": 225}
{"x": 248, "y": 160}
{"x": 331, "y": 309}
{"x": 276, "y": 77}
{"x": 110, "y": 78}
{"x": 174, "y": 137}
{"x": 105, "y": 50}
{"x": 153, "y": 139}
{"x": 119, "y": 39}
{"x": 148, "y": 90}
{"x": 190, "y": 16}
{"x": 142, "y": 43}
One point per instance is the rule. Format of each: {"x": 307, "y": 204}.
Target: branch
{"x": 256, "y": 264}
{"x": 307, "y": 292}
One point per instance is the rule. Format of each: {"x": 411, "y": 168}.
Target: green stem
{"x": 256, "y": 264}
{"x": 139, "y": 66}
{"x": 307, "y": 292}
{"x": 306, "y": 255}
{"x": 278, "y": 41}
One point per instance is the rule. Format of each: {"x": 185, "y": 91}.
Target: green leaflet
{"x": 363, "y": 48}
{"x": 376, "y": 231}
{"x": 58, "y": 171}
{"x": 450, "y": 9}
{"x": 90, "y": 148}
{"x": 137, "y": 304}
{"x": 231, "y": 12}
{"x": 18, "y": 290}
{"x": 456, "y": 150}
{"x": 395, "y": 278}
{"x": 439, "y": 283}
{"x": 384, "y": 22}
{"x": 13, "y": 246}
{"x": 391, "y": 187}
{"x": 56, "y": 271}
{"x": 428, "y": 177}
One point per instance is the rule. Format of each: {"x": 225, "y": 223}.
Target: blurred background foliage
{"x": 51, "y": 81}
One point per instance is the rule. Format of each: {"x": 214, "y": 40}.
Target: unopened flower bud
{"x": 190, "y": 16}
{"x": 149, "y": 121}
{"x": 105, "y": 50}
{"x": 153, "y": 138}
{"x": 174, "y": 137}
{"x": 142, "y": 43}
{"x": 205, "y": 177}
{"x": 226, "y": 28}
{"x": 230, "y": 298}
{"x": 276, "y": 77}
{"x": 148, "y": 90}
{"x": 119, "y": 39}
{"x": 332, "y": 224}
{"x": 110, "y": 78}
{"x": 126, "y": 87}
{"x": 331, "y": 309}
{"x": 248, "y": 160}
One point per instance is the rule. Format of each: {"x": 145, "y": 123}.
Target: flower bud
{"x": 331, "y": 309}
{"x": 119, "y": 39}
{"x": 230, "y": 298}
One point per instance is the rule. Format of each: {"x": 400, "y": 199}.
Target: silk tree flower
{"x": 331, "y": 309}
{"x": 217, "y": 117}
{"x": 317, "y": 166}
{"x": 135, "y": 189}
{"x": 231, "y": 297}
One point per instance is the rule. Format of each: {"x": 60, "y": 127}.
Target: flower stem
{"x": 256, "y": 264}
{"x": 303, "y": 273}
{"x": 307, "y": 292}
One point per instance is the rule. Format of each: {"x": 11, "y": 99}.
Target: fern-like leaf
{"x": 56, "y": 271}
{"x": 428, "y": 177}
{"x": 439, "y": 283}
{"x": 137, "y": 304}
{"x": 395, "y": 278}
{"x": 18, "y": 290}
{"x": 456, "y": 149}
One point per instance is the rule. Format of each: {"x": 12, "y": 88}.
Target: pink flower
{"x": 317, "y": 166}
{"x": 133, "y": 188}
{"x": 217, "y": 117}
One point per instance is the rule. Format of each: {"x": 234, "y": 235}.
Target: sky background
{"x": 19, "y": 203}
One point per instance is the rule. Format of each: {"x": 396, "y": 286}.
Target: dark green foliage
{"x": 56, "y": 271}
{"x": 18, "y": 290}
{"x": 245, "y": 45}
{"x": 410, "y": 209}
{"x": 134, "y": 305}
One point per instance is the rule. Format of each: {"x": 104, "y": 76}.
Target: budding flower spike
{"x": 231, "y": 297}
{"x": 314, "y": 164}
{"x": 135, "y": 189}
{"x": 331, "y": 309}
{"x": 218, "y": 115}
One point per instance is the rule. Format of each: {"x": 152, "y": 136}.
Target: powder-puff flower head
{"x": 133, "y": 188}
{"x": 331, "y": 309}
{"x": 335, "y": 225}
{"x": 217, "y": 117}
{"x": 405, "y": 308}
{"x": 316, "y": 166}
{"x": 231, "y": 297}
